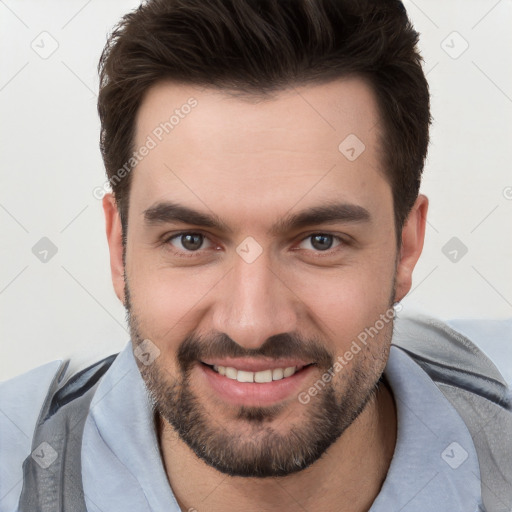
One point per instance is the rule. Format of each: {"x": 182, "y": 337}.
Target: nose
{"x": 254, "y": 304}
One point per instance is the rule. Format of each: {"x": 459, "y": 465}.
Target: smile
{"x": 262, "y": 376}
{"x": 257, "y": 386}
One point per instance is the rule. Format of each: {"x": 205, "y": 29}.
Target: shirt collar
{"x": 434, "y": 466}
{"x": 121, "y": 432}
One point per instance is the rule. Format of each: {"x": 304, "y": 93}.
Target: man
{"x": 265, "y": 159}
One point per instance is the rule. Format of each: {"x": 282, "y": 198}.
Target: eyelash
{"x": 342, "y": 242}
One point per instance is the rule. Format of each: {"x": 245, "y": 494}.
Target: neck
{"x": 347, "y": 477}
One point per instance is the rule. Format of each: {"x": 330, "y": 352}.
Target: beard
{"x": 251, "y": 444}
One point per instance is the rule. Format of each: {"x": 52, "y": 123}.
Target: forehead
{"x": 319, "y": 142}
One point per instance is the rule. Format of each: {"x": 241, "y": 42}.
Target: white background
{"x": 51, "y": 163}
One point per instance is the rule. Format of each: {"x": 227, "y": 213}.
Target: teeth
{"x": 277, "y": 374}
{"x": 242, "y": 376}
{"x": 231, "y": 373}
{"x": 288, "y": 372}
{"x": 262, "y": 376}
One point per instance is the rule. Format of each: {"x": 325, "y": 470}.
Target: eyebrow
{"x": 170, "y": 212}
{"x": 326, "y": 214}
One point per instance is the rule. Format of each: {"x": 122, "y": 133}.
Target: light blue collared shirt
{"x": 434, "y": 466}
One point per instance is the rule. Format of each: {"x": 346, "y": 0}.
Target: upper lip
{"x": 255, "y": 365}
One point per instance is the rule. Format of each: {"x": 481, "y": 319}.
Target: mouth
{"x": 260, "y": 377}
{"x": 261, "y": 386}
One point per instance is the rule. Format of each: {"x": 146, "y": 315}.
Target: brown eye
{"x": 320, "y": 242}
{"x": 188, "y": 241}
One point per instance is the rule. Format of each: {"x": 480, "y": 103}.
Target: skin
{"x": 251, "y": 164}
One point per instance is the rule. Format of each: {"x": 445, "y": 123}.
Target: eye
{"x": 320, "y": 242}
{"x": 188, "y": 242}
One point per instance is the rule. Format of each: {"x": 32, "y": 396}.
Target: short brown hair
{"x": 254, "y": 47}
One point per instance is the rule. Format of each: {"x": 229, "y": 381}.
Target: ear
{"x": 413, "y": 236}
{"x": 115, "y": 244}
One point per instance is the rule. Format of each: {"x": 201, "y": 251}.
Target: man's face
{"x": 256, "y": 290}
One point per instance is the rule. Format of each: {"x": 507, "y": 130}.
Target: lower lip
{"x": 251, "y": 393}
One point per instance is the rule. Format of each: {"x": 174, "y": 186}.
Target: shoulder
{"x": 21, "y": 396}
{"x": 21, "y": 399}
{"x": 50, "y": 387}
{"x": 453, "y": 358}
{"x": 454, "y": 355}
{"x": 493, "y": 336}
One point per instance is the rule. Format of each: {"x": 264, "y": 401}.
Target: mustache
{"x": 218, "y": 345}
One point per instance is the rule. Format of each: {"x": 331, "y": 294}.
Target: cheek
{"x": 167, "y": 301}
{"x": 346, "y": 300}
